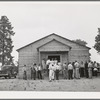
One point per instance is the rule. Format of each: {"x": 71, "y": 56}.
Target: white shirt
{"x": 39, "y": 67}
{"x": 48, "y": 62}
{"x": 90, "y": 64}
{"x": 76, "y": 65}
{"x": 53, "y": 68}
{"x": 35, "y": 68}
{"x": 70, "y": 67}
{"x": 57, "y": 66}
{"x": 95, "y": 69}
{"x": 50, "y": 67}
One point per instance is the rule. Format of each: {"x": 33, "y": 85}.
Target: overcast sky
{"x": 34, "y": 20}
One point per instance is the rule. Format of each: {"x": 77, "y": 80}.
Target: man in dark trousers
{"x": 70, "y": 71}
{"x": 39, "y": 71}
{"x": 57, "y": 68}
{"x": 32, "y": 73}
{"x": 86, "y": 69}
{"x": 25, "y": 73}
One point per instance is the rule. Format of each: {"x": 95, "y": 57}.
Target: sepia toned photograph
{"x": 50, "y": 46}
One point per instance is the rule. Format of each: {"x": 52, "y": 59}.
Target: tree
{"x": 79, "y": 41}
{"x": 97, "y": 41}
{"x": 6, "y": 41}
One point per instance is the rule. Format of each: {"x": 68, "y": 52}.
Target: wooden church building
{"x": 51, "y": 46}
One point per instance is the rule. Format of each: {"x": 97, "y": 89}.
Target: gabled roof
{"x": 48, "y": 36}
{"x": 54, "y": 40}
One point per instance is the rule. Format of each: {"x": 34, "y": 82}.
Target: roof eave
{"x": 48, "y": 36}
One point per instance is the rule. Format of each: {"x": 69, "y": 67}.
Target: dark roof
{"x": 48, "y": 36}
{"x": 55, "y": 40}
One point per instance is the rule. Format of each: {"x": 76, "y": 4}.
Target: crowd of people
{"x": 72, "y": 70}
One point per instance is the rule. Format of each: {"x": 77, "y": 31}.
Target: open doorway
{"x": 54, "y": 56}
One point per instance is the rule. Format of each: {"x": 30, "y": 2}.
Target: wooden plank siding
{"x": 54, "y": 46}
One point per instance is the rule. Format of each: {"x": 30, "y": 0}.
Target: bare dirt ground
{"x": 83, "y": 84}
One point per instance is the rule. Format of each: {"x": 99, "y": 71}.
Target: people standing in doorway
{"x": 55, "y": 61}
{"x": 60, "y": 65}
{"x": 77, "y": 67}
{"x": 52, "y": 61}
{"x": 82, "y": 69}
{"x": 70, "y": 71}
{"x": 90, "y": 65}
{"x": 39, "y": 71}
{"x": 54, "y": 69}
{"x": 86, "y": 69}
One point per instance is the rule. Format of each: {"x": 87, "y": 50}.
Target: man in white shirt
{"x": 48, "y": 62}
{"x": 70, "y": 70}
{"x": 51, "y": 72}
{"x": 39, "y": 71}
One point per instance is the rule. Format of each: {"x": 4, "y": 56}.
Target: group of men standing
{"x": 72, "y": 70}
{"x": 68, "y": 70}
{"x": 36, "y": 72}
{"x": 78, "y": 70}
{"x": 53, "y": 68}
